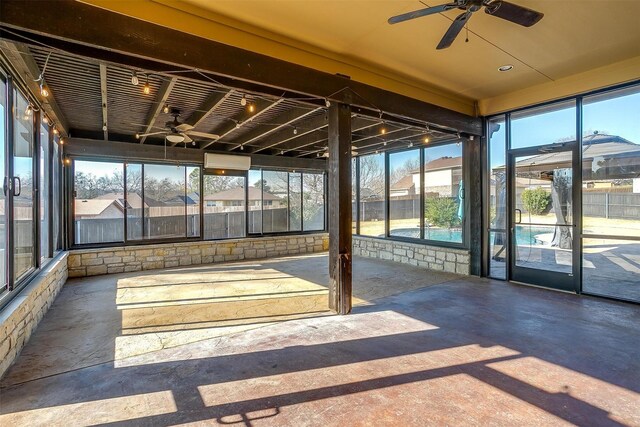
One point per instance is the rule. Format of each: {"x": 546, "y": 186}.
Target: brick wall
{"x": 21, "y": 316}
{"x": 93, "y": 262}
{"x": 431, "y": 257}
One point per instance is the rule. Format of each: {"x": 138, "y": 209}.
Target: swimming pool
{"x": 526, "y": 235}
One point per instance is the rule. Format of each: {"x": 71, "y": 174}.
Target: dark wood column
{"x": 340, "y": 208}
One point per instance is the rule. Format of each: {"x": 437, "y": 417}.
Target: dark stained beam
{"x": 156, "y": 108}
{"x": 103, "y": 93}
{"x": 105, "y": 35}
{"x": 283, "y": 121}
{"x": 214, "y": 101}
{"x": 244, "y": 117}
{"x": 132, "y": 151}
{"x": 21, "y": 58}
{"x": 340, "y": 286}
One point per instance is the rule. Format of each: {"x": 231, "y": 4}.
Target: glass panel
{"x": 543, "y": 211}
{"x": 56, "y": 162}
{"x": 165, "y": 201}
{"x": 443, "y": 193}
{"x": 135, "y": 209}
{"x": 497, "y": 174}
{"x": 255, "y": 201}
{"x": 224, "y": 207}
{"x": 3, "y": 218}
{"x": 545, "y": 125}
{"x": 274, "y": 201}
{"x": 313, "y": 201}
{"x": 99, "y": 202}
{"x": 404, "y": 194}
{"x": 372, "y": 203}
{"x": 295, "y": 202}
{"x": 611, "y": 268}
{"x": 193, "y": 201}
{"x": 45, "y": 164}
{"x": 498, "y": 255}
{"x": 23, "y": 199}
{"x": 611, "y": 164}
{"x": 354, "y": 211}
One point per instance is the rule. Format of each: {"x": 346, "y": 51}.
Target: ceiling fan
{"x": 176, "y": 132}
{"x": 502, "y": 9}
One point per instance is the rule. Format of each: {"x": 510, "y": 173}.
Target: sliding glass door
{"x": 3, "y": 201}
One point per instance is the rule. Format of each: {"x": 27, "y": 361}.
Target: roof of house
{"x": 238, "y": 194}
{"x": 403, "y": 184}
{"x": 86, "y": 207}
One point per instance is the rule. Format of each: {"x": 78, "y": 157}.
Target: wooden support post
{"x": 340, "y": 208}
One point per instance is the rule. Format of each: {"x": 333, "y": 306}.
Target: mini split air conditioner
{"x": 225, "y": 161}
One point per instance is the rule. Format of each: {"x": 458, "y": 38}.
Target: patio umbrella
{"x": 461, "y": 200}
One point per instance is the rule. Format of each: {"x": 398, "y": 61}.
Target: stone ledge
{"x": 19, "y": 318}
{"x": 119, "y": 259}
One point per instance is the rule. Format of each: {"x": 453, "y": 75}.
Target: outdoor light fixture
{"x": 426, "y": 139}
{"x": 43, "y": 89}
{"x": 165, "y": 109}
{"x": 45, "y": 120}
{"x": 137, "y": 136}
{"x": 104, "y": 127}
{"x": 295, "y": 130}
{"x": 134, "y": 79}
{"x": 252, "y": 108}
{"x": 175, "y": 138}
{"x": 410, "y": 144}
{"x": 27, "y": 112}
{"x": 383, "y": 130}
{"x": 146, "y": 89}
{"x": 507, "y": 67}
{"x": 243, "y": 101}
{"x": 327, "y": 103}
{"x": 55, "y": 131}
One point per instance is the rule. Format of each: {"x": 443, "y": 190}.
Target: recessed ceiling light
{"x": 506, "y": 68}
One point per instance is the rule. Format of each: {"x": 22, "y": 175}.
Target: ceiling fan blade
{"x": 454, "y": 30}
{"x": 513, "y": 13}
{"x": 186, "y": 138}
{"x": 422, "y": 12}
{"x": 203, "y": 134}
{"x": 184, "y": 127}
{"x": 151, "y": 133}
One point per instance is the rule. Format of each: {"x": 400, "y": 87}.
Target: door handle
{"x": 519, "y": 217}
{"x": 16, "y": 179}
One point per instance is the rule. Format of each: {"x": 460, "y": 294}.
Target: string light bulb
{"x": 55, "y": 131}
{"x": 243, "y": 101}
{"x": 45, "y": 120}
{"x": 146, "y": 89}
{"x": 242, "y": 148}
{"x": 43, "y": 89}
{"x": 426, "y": 139}
{"x": 383, "y": 130}
{"x": 137, "y": 136}
{"x": 134, "y": 79}
{"x": 27, "y": 112}
{"x": 165, "y": 109}
{"x": 252, "y": 108}
{"x": 327, "y": 103}
{"x": 410, "y": 144}
{"x": 295, "y": 130}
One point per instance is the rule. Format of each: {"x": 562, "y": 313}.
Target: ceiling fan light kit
{"x": 502, "y": 9}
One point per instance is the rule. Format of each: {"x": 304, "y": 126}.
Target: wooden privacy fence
{"x": 219, "y": 225}
{"x": 611, "y": 205}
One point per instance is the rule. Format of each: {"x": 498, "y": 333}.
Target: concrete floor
{"x": 421, "y": 348}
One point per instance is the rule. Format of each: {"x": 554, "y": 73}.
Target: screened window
{"x": 275, "y": 192}
{"x": 193, "y": 201}
{"x": 255, "y": 201}
{"x": 3, "y": 201}
{"x": 443, "y": 193}
{"x": 313, "y": 201}
{"x": 404, "y": 194}
{"x": 44, "y": 182}
{"x": 549, "y": 124}
{"x": 56, "y": 163}
{"x": 224, "y": 210}
{"x": 497, "y": 198}
{"x": 135, "y": 207}
{"x": 99, "y": 202}
{"x": 372, "y": 203}
{"x": 165, "y": 201}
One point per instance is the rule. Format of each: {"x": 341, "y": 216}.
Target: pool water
{"x": 526, "y": 235}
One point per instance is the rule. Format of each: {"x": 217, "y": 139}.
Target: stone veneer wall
{"x": 431, "y": 257}
{"x": 21, "y": 316}
{"x": 93, "y": 262}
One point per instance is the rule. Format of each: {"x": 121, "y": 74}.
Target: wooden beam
{"x": 161, "y": 98}
{"x": 282, "y": 122}
{"x": 214, "y": 101}
{"x": 261, "y": 107}
{"x": 103, "y": 93}
{"x": 22, "y": 60}
{"x": 340, "y": 287}
{"x": 132, "y": 151}
{"x": 105, "y": 35}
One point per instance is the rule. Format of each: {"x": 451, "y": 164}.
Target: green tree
{"x": 535, "y": 201}
{"x": 441, "y": 212}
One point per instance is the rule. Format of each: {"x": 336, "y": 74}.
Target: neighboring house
{"x": 97, "y": 209}
{"x": 235, "y": 198}
{"x": 442, "y": 177}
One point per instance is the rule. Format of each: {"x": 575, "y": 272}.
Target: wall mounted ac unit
{"x": 226, "y": 161}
